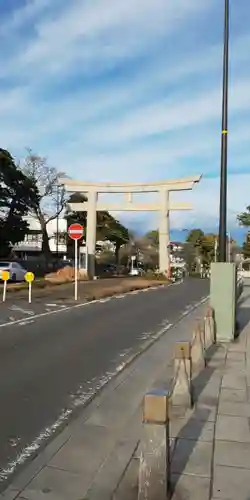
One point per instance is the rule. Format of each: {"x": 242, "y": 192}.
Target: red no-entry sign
{"x": 75, "y": 231}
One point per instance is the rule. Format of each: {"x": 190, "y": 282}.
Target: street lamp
{"x": 224, "y": 134}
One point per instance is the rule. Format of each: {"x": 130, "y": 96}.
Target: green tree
{"x": 207, "y": 248}
{"x": 153, "y": 237}
{"x": 244, "y": 221}
{"x": 75, "y": 217}
{"x": 18, "y": 195}
{"x": 244, "y": 218}
{"x": 246, "y": 246}
{"x": 107, "y": 227}
{"x": 195, "y": 236}
{"x": 192, "y": 249}
{"x": 111, "y": 229}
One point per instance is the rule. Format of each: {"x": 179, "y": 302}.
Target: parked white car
{"x": 17, "y": 272}
{"x": 136, "y": 271}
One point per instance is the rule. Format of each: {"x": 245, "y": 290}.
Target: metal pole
{"x": 76, "y": 269}
{"x": 223, "y": 170}
{"x": 57, "y": 220}
{"x": 229, "y": 247}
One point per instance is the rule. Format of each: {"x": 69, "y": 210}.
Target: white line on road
{"x": 26, "y": 322}
{"x": 20, "y": 309}
{"x": 49, "y": 313}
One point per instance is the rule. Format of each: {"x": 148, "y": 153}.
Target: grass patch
{"x": 92, "y": 290}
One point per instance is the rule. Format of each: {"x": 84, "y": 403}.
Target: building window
{"x": 33, "y": 238}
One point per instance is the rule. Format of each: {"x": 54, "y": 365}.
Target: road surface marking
{"x": 66, "y": 308}
{"x": 49, "y": 313}
{"x": 20, "y": 309}
{"x": 26, "y": 322}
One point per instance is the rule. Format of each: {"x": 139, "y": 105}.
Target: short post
{"x": 5, "y": 278}
{"x": 197, "y": 350}
{"x": 209, "y": 328}
{"x": 76, "y": 270}
{"x": 182, "y": 385}
{"x": 29, "y": 278}
{"x": 154, "y": 471}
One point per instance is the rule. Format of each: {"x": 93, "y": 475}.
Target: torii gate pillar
{"x": 164, "y": 232}
{"x": 91, "y": 233}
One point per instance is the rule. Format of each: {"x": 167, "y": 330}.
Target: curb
{"x": 146, "y": 345}
{"x": 24, "y": 467}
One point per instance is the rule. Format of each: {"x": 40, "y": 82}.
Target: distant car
{"x": 136, "y": 271}
{"x": 17, "y": 272}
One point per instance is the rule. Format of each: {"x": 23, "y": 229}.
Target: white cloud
{"x": 96, "y": 31}
{"x": 166, "y": 115}
{"x": 21, "y": 16}
{"x": 205, "y": 201}
{"x": 69, "y": 94}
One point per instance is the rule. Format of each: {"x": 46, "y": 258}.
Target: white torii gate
{"x": 163, "y": 205}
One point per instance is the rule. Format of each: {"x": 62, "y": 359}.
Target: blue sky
{"x": 128, "y": 91}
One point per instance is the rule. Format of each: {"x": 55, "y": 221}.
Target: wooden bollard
{"x": 197, "y": 350}
{"x": 154, "y": 471}
{"x": 182, "y": 387}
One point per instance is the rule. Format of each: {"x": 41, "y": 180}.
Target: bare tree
{"x": 52, "y": 197}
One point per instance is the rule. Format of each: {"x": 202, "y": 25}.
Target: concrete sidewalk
{"x": 210, "y": 444}
{"x": 87, "y": 460}
{"x": 211, "y": 456}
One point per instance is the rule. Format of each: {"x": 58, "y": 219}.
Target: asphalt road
{"x": 52, "y": 361}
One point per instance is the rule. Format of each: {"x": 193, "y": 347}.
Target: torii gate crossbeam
{"x": 163, "y": 206}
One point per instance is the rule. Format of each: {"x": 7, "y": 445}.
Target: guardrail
{"x": 189, "y": 360}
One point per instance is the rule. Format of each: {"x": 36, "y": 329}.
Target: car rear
{"x": 5, "y": 266}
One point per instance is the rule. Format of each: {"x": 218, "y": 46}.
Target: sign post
{"x": 5, "y": 278}
{"x": 75, "y": 232}
{"x": 29, "y": 278}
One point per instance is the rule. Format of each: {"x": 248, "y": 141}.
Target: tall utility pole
{"x": 57, "y": 220}
{"x": 224, "y": 134}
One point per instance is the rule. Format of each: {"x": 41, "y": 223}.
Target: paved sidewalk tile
{"x": 239, "y": 345}
{"x": 232, "y": 454}
{"x": 233, "y": 395}
{"x": 192, "y": 428}
{"x": 128, "y": 487}
{"x": 110, "y": 473}
{"x": 234, "y": 380}
{"x": 11, "y": 494}
{"x": 192, "y": 457}
{"x": 234, "y": 409}
{"x": 236, "y": 356}
{"x": 54, "y": 484}
{"x": 78, "y": 455}
{"x": 231, "y": 484}
{"x": 230, "y": 428}
{"x": 189, "y": 487}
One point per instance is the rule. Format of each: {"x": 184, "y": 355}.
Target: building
{"x": 32, "y": 244}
